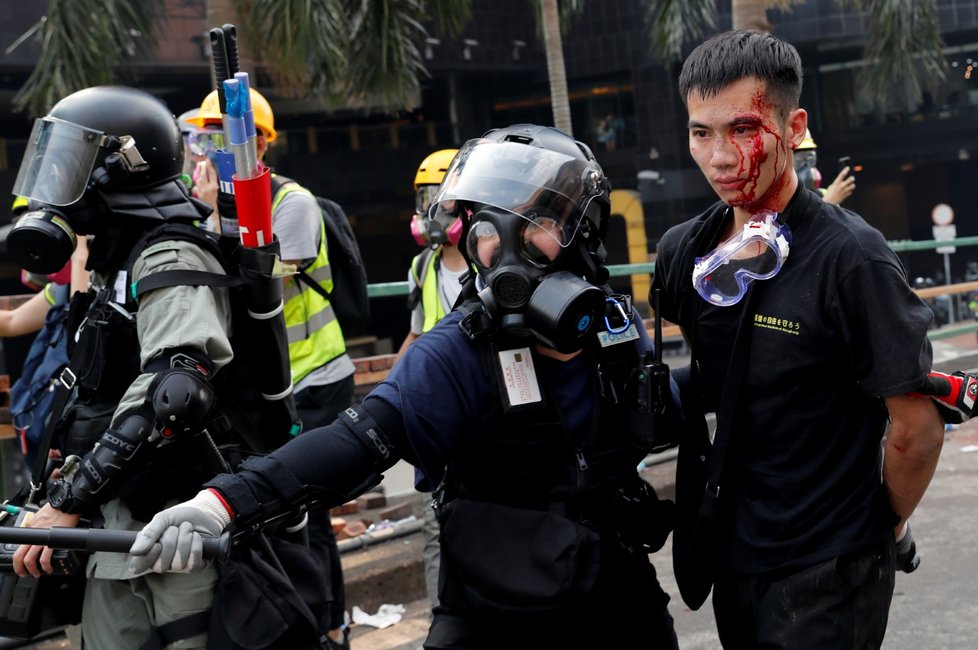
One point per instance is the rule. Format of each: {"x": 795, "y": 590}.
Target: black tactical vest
{"x": 529, "y": 459}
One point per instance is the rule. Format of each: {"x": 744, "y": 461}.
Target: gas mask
{"x": 532, "y": 200}
{"x": 808, "y": 174}
{"x": 517, "y": 259}
{"x": 44, "y": 237}
{"x": 42, "y": 241}
{"x": 434, "y": 232}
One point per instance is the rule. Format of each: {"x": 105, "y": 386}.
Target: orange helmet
{"x": 210, "y": 113}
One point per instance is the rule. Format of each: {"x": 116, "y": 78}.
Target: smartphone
{"x": 845, "y": 161}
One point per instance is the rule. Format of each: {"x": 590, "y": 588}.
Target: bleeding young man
{"x": 814, "y": 507}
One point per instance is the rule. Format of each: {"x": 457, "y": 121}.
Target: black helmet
{"x": 124, "y": 138}
{"x": 534, "y": 204}
{"x": 596, "y": 184}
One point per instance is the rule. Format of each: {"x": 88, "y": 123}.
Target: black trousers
{"x": 842, "y": 603}
{"x": 319, "y": 406}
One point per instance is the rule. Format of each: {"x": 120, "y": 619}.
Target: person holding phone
{"x": 805, "y": 159}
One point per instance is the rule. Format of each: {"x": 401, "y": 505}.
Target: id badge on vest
{"x": 518, "y": 377}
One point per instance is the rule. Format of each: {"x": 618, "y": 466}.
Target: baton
{"x": 231, "y": 47}
{"x": 99, "y": 539}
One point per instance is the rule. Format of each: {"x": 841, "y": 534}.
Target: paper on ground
{"x": 386, "y": 616}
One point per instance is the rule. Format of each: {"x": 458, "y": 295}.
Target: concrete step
{"x": 389, "y": 571}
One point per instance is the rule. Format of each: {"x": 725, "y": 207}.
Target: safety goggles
{"x": 423, "y": 197}
{"x": 204, "y": 142}
{"x": 757, "y": 252}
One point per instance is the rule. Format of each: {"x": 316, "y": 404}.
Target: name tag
{"x": 119, "y": 288}
{"x": 519, "y": 376}
{"x": 607, "y": 338}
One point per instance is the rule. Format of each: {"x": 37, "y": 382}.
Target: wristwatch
{"x": 59, "y": 496}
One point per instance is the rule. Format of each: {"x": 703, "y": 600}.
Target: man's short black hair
{"x": 732, "y": 56}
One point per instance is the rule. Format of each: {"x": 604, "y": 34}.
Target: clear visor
{"x": 58, "y": 162}
{"x": 423, "y": 198}
{"x": 205, "y": 142}
{"x": 549, "y": 190}
{"x": 757, "y": 252}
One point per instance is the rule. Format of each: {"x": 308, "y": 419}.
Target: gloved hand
{"x": 954, "y": 394}
{"x": 907, "y": 559}
{"x": 172, "y": 541}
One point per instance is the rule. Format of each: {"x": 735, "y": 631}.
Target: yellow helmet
{"x": 807, "y": 143}
{"x": 432, "y": 169}
{"x": 210, "y": 113}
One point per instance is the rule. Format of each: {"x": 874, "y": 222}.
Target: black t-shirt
{"x": 834, "y": 332}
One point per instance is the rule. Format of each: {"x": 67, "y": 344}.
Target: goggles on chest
{"x": 757, "y": 252}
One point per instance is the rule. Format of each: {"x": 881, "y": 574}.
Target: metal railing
{"x": 387, "y": 289}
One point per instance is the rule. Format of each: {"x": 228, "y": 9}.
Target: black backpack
{"x": 261, "y": 423}
{"x": 31, "y": 397}
{"x": 349, "y": 296}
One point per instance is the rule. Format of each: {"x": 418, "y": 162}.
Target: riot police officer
{"x": 105, "y": 163}
{"x": 530, "y": 394}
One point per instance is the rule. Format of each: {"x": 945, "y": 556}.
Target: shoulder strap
{"x": 308, "y": 280}
{"x": 185, "y": 277}
{"x": 278, "y": 182}
{"x": 726, "y": 413}
{"x": 63, "y": 385}
{"x": 419, "y": 266}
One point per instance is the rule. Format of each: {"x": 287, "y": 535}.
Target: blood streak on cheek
{"x": 780, "y": 181}
{"x": 752, "y": 158}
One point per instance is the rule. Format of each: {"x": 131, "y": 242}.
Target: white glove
{"x": 173, "y": 542}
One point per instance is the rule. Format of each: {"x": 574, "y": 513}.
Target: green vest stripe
{"x": 314, "y": 334}
{"x": 321, "y": 319}
{"x": 430, "y": 298}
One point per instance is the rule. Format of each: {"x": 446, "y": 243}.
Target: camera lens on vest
{"x": 564, "y": 310}
{"x": 41, "y": 241}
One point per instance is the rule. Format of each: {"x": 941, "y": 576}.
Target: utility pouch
{"x": 269, "y": 595}
{"x": 81, "y": 426}
{"x": 510, "y": 560}
{"x": 105, "y": 330}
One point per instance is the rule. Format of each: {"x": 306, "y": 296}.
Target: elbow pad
{"x": 98, "y": 473}
{"x": 182, "y": 400}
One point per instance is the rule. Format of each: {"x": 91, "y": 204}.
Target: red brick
{"x": 354, "y": 528}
